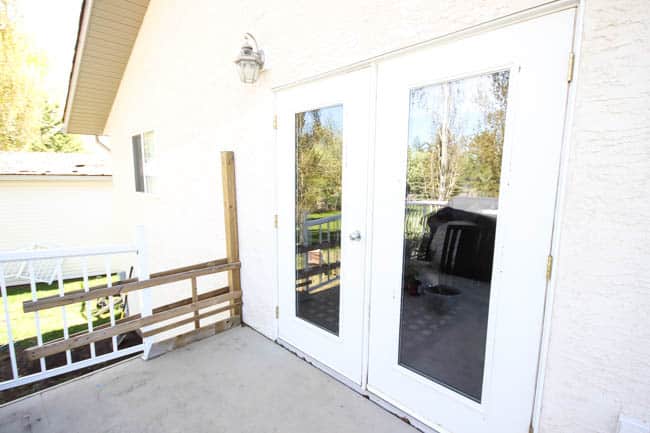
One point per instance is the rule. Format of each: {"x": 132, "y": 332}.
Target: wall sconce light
{"x": 250, "y": 60}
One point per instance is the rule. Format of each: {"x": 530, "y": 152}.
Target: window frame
{"x": 145, "y": 169}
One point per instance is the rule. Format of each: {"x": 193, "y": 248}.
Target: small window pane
{"x": 136, "y": 141}
{"x": 150, "y": 184}
{"x": 149, "y": 165}
{"x": 148, "y": 147}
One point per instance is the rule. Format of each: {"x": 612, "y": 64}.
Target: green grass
{"x": 23, "y": 325}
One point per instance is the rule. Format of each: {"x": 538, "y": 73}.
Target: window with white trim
{"x": 144, "y": 162}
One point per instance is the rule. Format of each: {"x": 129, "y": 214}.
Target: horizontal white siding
{"x": 59, "y": 213}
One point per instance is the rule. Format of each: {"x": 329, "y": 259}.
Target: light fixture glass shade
{"x": 250, "y": 60}
{"x": 249, "y": 70}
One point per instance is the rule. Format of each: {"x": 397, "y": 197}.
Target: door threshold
{"x": 379, "y": 401}
{"x": 338, "y": 376}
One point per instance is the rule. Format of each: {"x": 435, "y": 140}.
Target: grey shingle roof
{"x": 54, "y": 164}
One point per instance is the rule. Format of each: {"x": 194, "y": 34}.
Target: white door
{"x": 461, "y": 237}
{"x": 322, "y": 139}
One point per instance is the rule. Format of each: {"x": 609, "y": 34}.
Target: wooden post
{"x": 230, "y": 222}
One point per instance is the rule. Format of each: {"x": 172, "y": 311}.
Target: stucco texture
{"x": 599, "y": 356}
{"x": 181, "y": 83}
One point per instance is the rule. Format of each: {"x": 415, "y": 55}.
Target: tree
{"x": 21, "y": 70}
{"x": 318, "y": 165}
{"x": 482, "y": 165}
{"x": 434, "y": 168}
{"x": 27, "y": 120}
{"x": 482, "y": 162}
{"x": 52, "y": 138}
{"x": 418, "y": 176}
{"x": 454, "y": 157}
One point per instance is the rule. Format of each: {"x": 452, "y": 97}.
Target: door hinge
{"x": 277, "y": 312}
{"x": 572, "y": 60}
{"x": 275, "y": 121}
{"x": 549, "y": 267}
{"x": 275, "y": 221}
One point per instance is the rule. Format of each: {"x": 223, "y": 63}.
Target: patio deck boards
{"x": 236, "y": 382}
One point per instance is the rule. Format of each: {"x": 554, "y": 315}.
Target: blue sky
{"x": 465, "y": 94}
{"x": 329, "y": 116}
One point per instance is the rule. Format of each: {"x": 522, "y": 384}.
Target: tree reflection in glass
{"x": 455, "y": 144}
{"x": 319, "y": 141}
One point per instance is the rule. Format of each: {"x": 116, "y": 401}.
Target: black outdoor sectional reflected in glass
{"x": 456, "y": 132}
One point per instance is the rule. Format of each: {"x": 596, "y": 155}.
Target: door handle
{"x": 355, "y": 235}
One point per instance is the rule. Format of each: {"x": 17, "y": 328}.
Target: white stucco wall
{"x": 73, "y": 212}
{"x": 181, "y": 83}
{"x": 599, "y": 354}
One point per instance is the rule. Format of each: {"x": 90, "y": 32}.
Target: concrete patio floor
{"x": 235, "y": 382}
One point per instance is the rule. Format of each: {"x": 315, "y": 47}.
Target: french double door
{"x": 416, "y": 202}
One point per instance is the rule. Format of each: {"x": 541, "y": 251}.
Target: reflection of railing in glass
{"x": 416, "y": 230}
{"x": 319, "y": 253}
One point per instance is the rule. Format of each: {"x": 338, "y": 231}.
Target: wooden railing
{"x": 149, "y": 321}
{"x": 163, "y": 314}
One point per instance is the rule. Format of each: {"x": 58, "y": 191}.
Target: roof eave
{"x": 84, "y": 18}
{"x": 99, "y": 62}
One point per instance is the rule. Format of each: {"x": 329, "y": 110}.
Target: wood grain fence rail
{"x": 149, "y": 322}
{"x": 121, "y": 288}
{"x": 86, "y": 338}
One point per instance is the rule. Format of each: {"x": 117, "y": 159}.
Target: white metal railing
{"x": 416, "y": 226}
{"x": 426, "y": 203}
{"x": 329, "y": 233}
{"x": 31, "y": 258}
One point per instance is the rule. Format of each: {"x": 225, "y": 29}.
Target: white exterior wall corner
{"x": 181, "y": 83}
{"x": 599, "y": 352}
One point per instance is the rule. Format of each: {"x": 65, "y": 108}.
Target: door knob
{"x": 355, "y": 235}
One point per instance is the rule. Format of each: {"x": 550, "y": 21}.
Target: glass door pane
{"x": 455, "y": 144}
{"x": 319, "y": 141}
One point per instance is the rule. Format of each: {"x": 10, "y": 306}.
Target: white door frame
{"x": 511, "y": 369}
{"x": 560, "y": 200}
{"x": 343, "y": 352}
{"x": 554, "y": 248}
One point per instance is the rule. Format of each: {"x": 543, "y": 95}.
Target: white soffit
{"x": 107, "y": 32}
